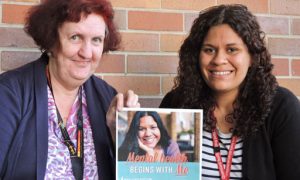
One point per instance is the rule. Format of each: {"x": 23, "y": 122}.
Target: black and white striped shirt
{"x": 210, "y": 169}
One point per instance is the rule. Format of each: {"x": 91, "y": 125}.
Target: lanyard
{"x": 225, "y": 174}
{"x": 76, "y": 154}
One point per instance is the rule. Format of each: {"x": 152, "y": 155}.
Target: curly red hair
{"x": 43, "y": 20}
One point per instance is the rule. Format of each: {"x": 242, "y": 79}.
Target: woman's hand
{"x": 149, "y": 151}
{"x": 156, "y": 153}
{"x": 130, "y": 99}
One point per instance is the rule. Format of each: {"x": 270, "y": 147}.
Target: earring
{"x": 49, "y": 54}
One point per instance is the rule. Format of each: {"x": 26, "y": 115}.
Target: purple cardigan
{"x": 173, "y": 149}
{"x": 23, "y": 122}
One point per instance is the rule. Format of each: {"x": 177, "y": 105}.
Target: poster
{"x": 156, "y": 143}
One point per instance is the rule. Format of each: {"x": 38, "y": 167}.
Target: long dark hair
{"x": 253, "y": 103}
{"x": 130, "y": 143}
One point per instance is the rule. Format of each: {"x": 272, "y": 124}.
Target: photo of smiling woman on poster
{"x": 147, "y": 136}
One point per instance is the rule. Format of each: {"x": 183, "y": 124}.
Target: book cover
{"x": 155, "y": 143}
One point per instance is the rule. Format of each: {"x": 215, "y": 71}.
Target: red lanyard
{"x": 225, "y": 173}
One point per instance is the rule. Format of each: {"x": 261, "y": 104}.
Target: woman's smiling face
{"x": 148, "y": 132}
{"x": 80, "y": 48}
{"x": 224, "y": 59}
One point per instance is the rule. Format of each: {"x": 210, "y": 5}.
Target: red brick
{"x": 15, "y": 37}
{"x": 120, "y": 19}
{"x": 141, "y": 85}
{"x": 270, "y": 25}
{"x": 111, "y": 63}
{"x": 14, "y": 59}
{"x": 14, "y": 14}
{"x": 281, "y": 67}
{"x": 188, "y": 20}
{"x": 140, "y": 42}
{"x": 171, "y": 43}
{"x": 274, "y": 25}
{"x": 291, "y": 84}
{"x": 286, "y": 7}
{"x": 255, "y": 6}
{"x": 136, "y": 3}
{"x": 296, "y": 26}
{"x": 284, "y": 46}
{"x": 156, "y": 21}
{"x": 23, "y": 1}
{"x": 167, "y": 84}
{"x": 296, "y": 67}
{"x": 152, "y": 64}
{"x": 187, "y": 4}
{"x": 150, "y": 102}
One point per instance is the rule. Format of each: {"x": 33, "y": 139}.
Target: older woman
{"x": 54, "y": 112}
{"x": 251, "y": 125}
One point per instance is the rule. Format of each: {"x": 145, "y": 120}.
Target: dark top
{"x": 274, "y": 152}
{"x": 24, "y": 122}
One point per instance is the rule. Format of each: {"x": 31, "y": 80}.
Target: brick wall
{"x": 152, "y": 31}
